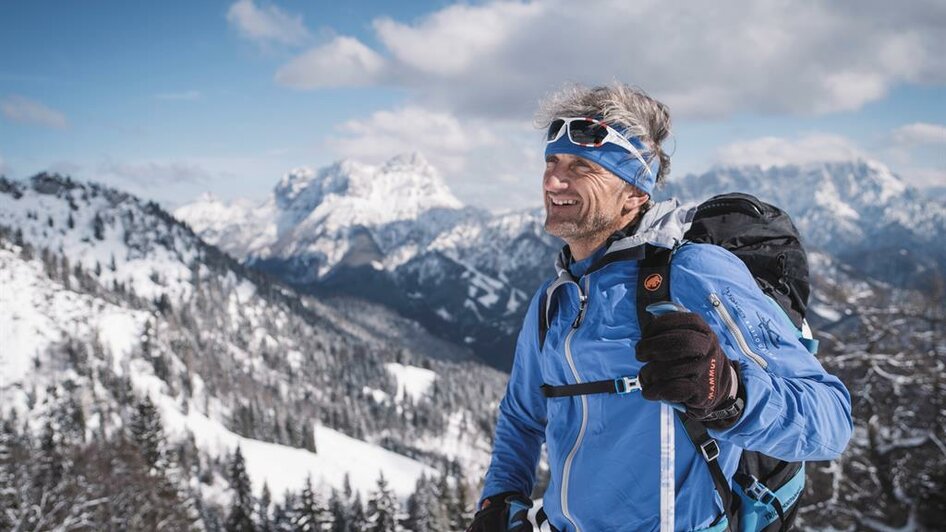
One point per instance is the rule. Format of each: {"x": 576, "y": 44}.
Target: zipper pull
{"x": 582, "y": 305}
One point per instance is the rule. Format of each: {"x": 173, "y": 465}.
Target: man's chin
{"x": 561, "y": 229}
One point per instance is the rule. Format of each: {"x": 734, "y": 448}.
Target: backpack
{"x": 766, "y": 491}
{"x": 764, "y": 237}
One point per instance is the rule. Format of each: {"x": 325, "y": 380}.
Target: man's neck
{"x": 583, "y": 248}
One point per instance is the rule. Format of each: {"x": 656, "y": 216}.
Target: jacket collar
{"x": 663, "y": 225}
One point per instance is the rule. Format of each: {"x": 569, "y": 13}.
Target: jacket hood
{"x": 663, "y": 225}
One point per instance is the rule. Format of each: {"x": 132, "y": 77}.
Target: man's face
{"x": 582, "y": 199}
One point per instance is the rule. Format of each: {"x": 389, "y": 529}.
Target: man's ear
{"x": 634, "y": 199}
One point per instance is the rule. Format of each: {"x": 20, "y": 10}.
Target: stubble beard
{"x": 591, "y": 226}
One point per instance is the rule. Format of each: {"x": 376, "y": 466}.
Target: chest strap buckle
{"x": 624, "y": 385}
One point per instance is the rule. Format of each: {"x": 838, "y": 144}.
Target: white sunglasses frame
{"x": 613, "y": 137}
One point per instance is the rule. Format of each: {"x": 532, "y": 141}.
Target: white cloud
{"x": 439, "y": 136}
{"x": 776, "y": 151}
{"x": 498, "y": 58}
{"x": 152, "y": 174}
{"x": 26, "y": 111}
{"x": 450, "y": 41}
{"x": 920, "y": 133}
{"x": 925, "y": 177}
{"x": 268, "y": 24}
{"x": 344, "y": 61}
{"x": 485, "y": 162}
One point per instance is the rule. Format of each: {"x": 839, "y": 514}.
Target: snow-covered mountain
{"x": 858, "y": 212}
{"x": 107, "y": 299}
{"x": 392, "y": 234}
{"x": 314, "y": 217}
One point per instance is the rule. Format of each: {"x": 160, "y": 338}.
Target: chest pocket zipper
{"x": 734, "y": 330}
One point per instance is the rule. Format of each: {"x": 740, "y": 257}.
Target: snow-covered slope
{"x": 37, "y": 313}
{"x": 98, "y": 288}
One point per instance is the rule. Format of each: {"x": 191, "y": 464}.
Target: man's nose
{"x": 552, "y": 182}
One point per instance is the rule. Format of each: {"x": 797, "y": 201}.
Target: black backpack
{"x": 765, "y": 239}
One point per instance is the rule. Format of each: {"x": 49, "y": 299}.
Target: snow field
{"x": 411, "y": 380}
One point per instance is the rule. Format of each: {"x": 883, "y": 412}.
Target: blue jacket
{"x": 604, "y": 450}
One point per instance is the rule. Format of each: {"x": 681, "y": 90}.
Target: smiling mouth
{"x": 562, "y": 202}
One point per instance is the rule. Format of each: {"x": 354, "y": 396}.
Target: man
{"x": 603, "y": 160}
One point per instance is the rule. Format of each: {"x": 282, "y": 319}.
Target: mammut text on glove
{"x": 685, "y": 364}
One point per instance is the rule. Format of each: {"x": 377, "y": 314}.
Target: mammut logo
{"x": 770, "y": 334}
{"x": 712, "y": 379}
{"x": 653, "y": 282}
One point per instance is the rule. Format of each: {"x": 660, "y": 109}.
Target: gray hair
{"x": 629, "y": 109}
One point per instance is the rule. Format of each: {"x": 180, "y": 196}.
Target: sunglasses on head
{"x": 591, "y": 133}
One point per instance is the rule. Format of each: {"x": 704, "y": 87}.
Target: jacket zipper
{"x": 566, "y": 474}
{"x": 723, "y": 313}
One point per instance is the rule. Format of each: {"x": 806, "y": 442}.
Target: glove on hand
{"x": 505, "y": 512}
{"x": 685, "y": 364}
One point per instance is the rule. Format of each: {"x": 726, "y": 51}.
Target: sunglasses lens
{"x": 587, "y": 132}
{"x": 554, "y": 129}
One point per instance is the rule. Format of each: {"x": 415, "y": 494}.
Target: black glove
{"x": 505, "y": 512}
{"x": 685, "y": 364}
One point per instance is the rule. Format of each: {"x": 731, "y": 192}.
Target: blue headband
{"x": 615, "y": 159}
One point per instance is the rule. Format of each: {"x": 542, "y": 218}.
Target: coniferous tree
{"x": 421, "y": 507}
{"x": 460, "y": 511}
{"x": 347, "y": 490}
{"x": 290, "y": 430}
{"x": 308, "y": 437}
{"x": 445, "y": 498}
{"x": 263, "y": 519}
{"x": 69, "y": 415}
{"x": 383, "y": 508}
{"x": 284, "y": 513}
{"x": 9, "y": 501}
{"x": 310, "y": 515}
{"x": 359, "y": 521}
{"x": 340, "y": 512}
{"x": 51, "y": 460}
{"x": 98, "y": 227}
{"x": 240, "y": 517}
{"x": 147, "y": 433}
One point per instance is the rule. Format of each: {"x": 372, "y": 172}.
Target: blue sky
{"x": 170, "y": 99}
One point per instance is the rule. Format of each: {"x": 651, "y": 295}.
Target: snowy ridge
{"x": 838, "y": 202}
{"x": 312, "y": 213}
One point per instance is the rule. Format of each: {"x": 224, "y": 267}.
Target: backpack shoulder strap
{"x": 543, "y": 319}
{"x": 653, "y": 281}
{"x": 709, "y": 448}
{"x": 653, "y": 286}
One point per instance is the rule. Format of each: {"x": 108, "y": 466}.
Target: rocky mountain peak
{"x": 402, "y": 187}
